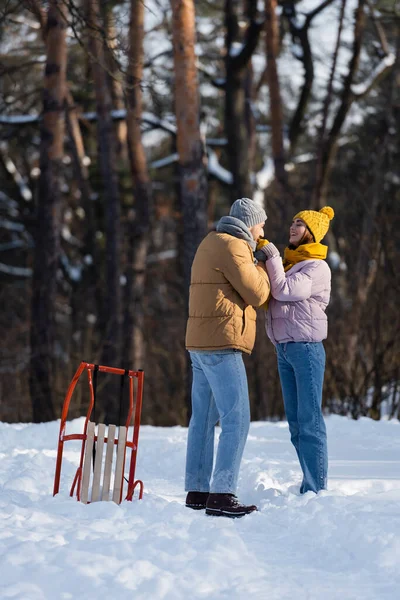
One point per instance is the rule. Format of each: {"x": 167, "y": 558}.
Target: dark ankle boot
{"x": 227, "y": 505}
{"x": 196, "y": 500}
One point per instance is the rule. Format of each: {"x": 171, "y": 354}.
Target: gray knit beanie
{"x": 248, "y": 211}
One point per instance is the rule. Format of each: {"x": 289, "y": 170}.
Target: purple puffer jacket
{"x": 296, "y": 311}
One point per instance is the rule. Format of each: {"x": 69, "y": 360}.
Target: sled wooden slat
{"x": 101, "y": 430}
{"x": 86, "y": 463}
{"x": 119, "y": 467}
{"x": 108, "y": 462}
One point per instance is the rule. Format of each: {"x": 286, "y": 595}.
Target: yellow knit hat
{"x": 317, "y": 221}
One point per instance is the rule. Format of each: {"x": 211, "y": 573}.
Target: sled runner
{"x": 104, "y": 446}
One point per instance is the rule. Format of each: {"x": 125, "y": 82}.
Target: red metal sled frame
{"x": 139, "y": 375}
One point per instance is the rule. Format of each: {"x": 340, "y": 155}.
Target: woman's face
{"x": 296, "y": 231}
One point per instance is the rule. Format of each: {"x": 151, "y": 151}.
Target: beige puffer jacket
{"x": 225, "y": 285}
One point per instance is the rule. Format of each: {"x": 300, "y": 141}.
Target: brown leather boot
{"x": 227, "y": 505}
{"x": 196, "y": 500}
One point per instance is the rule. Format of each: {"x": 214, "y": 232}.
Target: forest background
{"x": 128, "y": 128}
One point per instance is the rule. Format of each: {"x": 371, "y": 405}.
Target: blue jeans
{"x": 219, "y": 393}
{"x": 301, "y": 368}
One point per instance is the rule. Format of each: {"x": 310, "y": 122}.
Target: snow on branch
{"x": 10, "y": 167}
{"x": 362, "y": 89}
{"x": 18, "y": 119}
{"x": 15, "y": 271}
{"x": 15, "y": 244}
{"x": 68, "y": 237}
{"x": 74, "y": 272}
{"x": 218, "y": 82}
{"x": 11, "y": 226}
{"x": 213, "y": 166}
{"x": 217, "y": 170}
{"x": 116, "y": 115}
{"x": 164, "y": 255}
{"x": 216, "y": 142}
{"x": 240, "y": 55}
{"x": 308, "y": 157}
{"x": 164, "y": 162}
{"x": 264, "y": 177}
{"x": 10, "y": 205}
{"x": 159, "y": 123}
{"x": 235, "y": 49}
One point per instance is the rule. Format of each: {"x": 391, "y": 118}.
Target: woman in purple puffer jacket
{"x": 296, "y": 325}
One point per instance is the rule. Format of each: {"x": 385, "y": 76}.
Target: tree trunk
{"x": 86, "y": 297}
{"x": 192, "y": 172}
{"x": 193, "y": 180}
{"x": 236, "y": 133}
{"x": 48, "y": 222}
{"x": 237, "y": 97}
{"x": 139, "y": 225}
{"x": 250, "y": 118}
{"x": 86, "y": 293}
{"x": 275, "y": 101}
{"x": 115, "y": 82}
{"x": 111, "y": 318}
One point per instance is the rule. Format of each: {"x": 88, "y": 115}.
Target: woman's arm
{"x": 285, "y": 286}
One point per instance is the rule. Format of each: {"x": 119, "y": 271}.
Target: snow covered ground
{"x": 342, "y": 544}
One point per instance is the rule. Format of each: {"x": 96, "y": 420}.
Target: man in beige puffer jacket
{"x": 226, "y": 283}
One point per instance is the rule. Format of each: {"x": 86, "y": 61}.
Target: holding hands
{"x": 265, "y": 250}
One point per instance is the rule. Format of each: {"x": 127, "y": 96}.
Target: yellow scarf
{"x": 304, "y": 252}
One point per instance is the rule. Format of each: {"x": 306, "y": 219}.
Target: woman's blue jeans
{"x": 219, "y": 393}
{"x": 301, "y": 368}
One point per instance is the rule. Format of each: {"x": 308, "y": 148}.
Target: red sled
{"x": 105, "y": 481}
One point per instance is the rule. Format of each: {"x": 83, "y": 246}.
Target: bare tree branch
{"x": 379, "y": 29}
{"x": 300, "y": 34}
{"x": 311, "y": 15}
{"x": 326, "y": 105}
